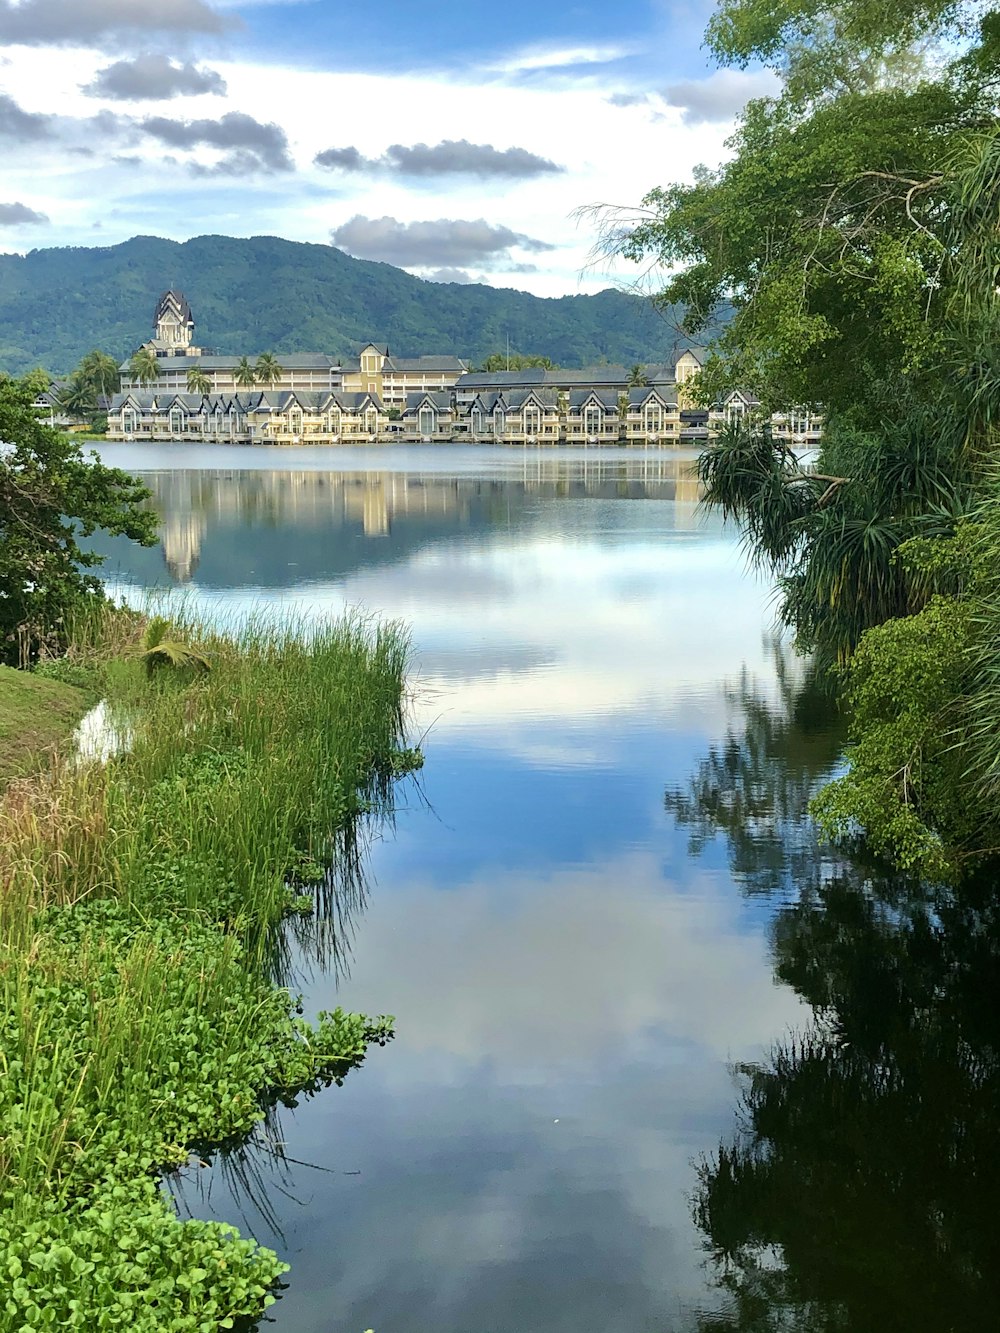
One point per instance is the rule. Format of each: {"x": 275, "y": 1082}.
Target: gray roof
{"x": 450, "y": 365}
{"x": 439, "y": 399}
{"x": 173, "y": 300}
{"x": 291, "y": 361}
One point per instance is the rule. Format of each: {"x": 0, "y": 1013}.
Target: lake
{"x": 662, "y": 1062}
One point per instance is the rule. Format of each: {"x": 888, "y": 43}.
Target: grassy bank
{"x": 140, "y": 903}
{"x": 35, "y": 715}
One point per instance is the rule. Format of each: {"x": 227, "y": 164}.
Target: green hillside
{"x": 267, "y": 294}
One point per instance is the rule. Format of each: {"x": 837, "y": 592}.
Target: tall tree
{"x": 51, "y": 495}
{"x": 144, "y": 366}
{"x": 198, "y": 381}
{"x": 268, "y": 370}
{"x": 244, "y": 375}
{"x": 78, "y": 397}
{"x": 101, "y": 371}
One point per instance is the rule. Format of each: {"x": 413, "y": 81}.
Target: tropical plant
{"x": 101, "y": 371}
{"x": 268, "y": 370}
{"x": 144, "y": 366}
{"x": 78, "y": 397}
{"x": 198, "y": 381}
{"x": 160, "y": 650}
{"x": 637, "y": 377}
{"x": 244, "y": 375}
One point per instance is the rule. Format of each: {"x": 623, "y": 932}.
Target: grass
{"x": 141, "y": 904}
{"x": 36, "y": 714}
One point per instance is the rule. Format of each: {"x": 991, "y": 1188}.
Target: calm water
{"x": 596, "y": 910}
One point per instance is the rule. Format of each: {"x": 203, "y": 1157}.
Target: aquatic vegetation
{"x": 141, "y": 903}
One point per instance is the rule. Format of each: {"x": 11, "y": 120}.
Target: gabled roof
{"x": 175, "y": 303}
{"x": 438, "y": 399}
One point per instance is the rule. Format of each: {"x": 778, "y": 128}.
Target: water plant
{"x": 140, "y": 906}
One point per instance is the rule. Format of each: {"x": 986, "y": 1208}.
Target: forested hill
{"x": 269, "y": 295}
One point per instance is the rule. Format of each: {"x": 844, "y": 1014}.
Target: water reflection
{"x": 571, "y": 986}
{"x": 753, "y": 787}
{"x": 862, "y": 1193}
{"x": 859, "y": 1192}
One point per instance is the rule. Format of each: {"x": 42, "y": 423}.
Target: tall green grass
{"x": 141, "y": 905}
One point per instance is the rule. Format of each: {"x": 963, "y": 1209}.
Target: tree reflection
{"x": 861, "y": 1194}
{"x": 754, "y": 787}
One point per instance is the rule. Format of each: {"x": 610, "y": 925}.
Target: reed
{"x": 140, "y": 902}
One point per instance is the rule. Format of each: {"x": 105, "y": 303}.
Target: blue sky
{"x": 456, "y": 140}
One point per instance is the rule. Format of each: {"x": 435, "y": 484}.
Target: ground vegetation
{"x": 142, "y": 903}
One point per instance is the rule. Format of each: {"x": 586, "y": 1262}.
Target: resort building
{"x": 378, "y": 398}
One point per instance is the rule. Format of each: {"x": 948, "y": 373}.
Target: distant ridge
{"x": 267, "y": 294}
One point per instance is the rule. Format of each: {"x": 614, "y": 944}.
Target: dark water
{"x": 662, "y": 1063}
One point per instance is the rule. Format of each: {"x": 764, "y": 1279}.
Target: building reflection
{"x": 192, "y": 502}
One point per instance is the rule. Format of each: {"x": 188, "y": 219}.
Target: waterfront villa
{"x": 378, "y": 398}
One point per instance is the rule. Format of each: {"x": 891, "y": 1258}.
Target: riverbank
{"x": 140, "y": 932}
{"x": 36, "y": 714}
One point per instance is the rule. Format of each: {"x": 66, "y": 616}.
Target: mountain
{"x": 264, "y": 294}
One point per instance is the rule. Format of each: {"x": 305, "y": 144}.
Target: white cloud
{"x": 722, "y": 96}
{"x": 572, "y": 125}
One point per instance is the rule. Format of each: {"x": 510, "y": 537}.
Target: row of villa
{"x": 378, "y": 398}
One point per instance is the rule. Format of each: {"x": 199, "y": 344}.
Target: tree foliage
{"x": 853, "y": 232}
{"x": 52, "y": 496}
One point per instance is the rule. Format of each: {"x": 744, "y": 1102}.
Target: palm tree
{"x": 267, "y": 370}
{"x": 102, "y": 372}
{"x": 637, "y": 377}
{"x": 78, "y": 396}
{"x": 198, "y": 381}
{"x": 143, "y": 365}
{"x": 244, "y": 374}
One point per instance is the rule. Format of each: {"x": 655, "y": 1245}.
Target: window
{"x": 499, "y": 422}
{"x": 532, "y": 420}
{"x": 735, "y": 409}
{"x": 652, "y": 418}
{"x": 371, "y": 420}
{"x": 593, "y": 419}
{"x": 333, "y": 423}
{"x": 478, "y": 422}
{"x": 176, "y": 421}
{"x": 129, "y": 420}
{"x": 426, "y": 421}
{"x": 800, "y": 422}
{"x": 295, "y": 421}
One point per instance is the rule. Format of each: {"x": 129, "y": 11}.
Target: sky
{"x": 457, "y": 140}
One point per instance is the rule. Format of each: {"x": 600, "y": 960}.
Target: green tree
{"x": 637, "y": 377}
{"x": 268, "y": 370}
{"x": 198, "y": 381}
{"x": 144, "y": 366}
{"x": 515, "y": 361}
{"x": 244, "y": 375}
{"x": 78, "y": 397}
{"x": 51, "y": 496}
{"x": 101, "y": 371}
